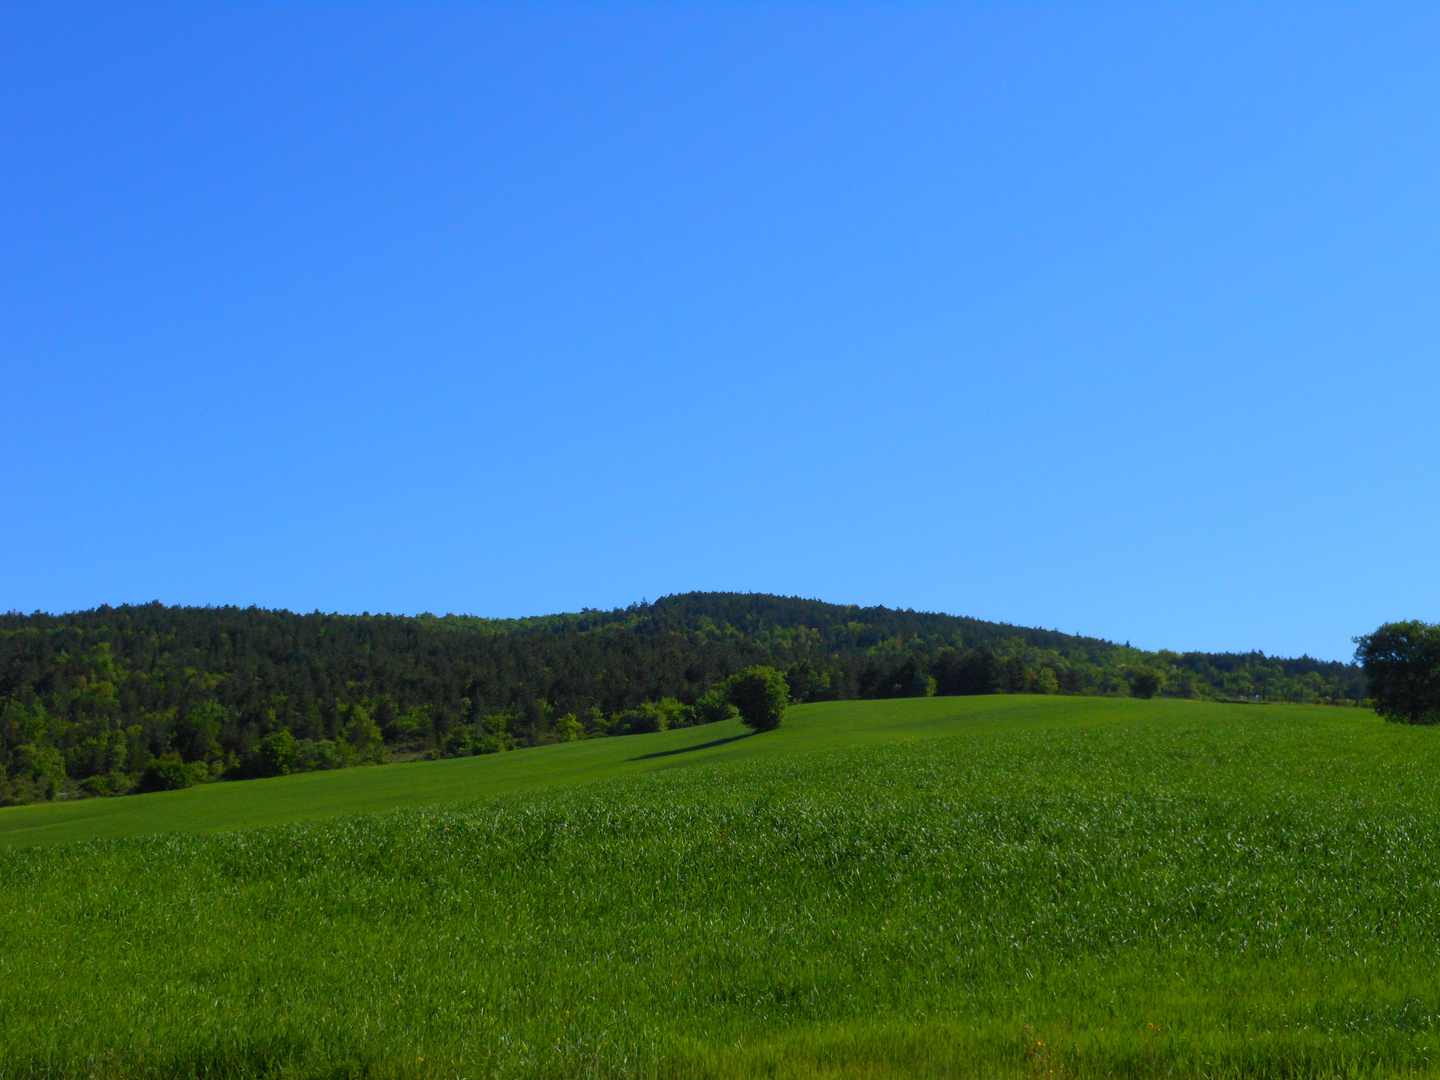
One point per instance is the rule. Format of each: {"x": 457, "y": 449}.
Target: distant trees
{"x": 1402, "y": 670}
{"x": 91, "y": 699}
{"x": 761, "y": 695}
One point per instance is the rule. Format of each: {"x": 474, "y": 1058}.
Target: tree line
{"x": 120, "y": 699}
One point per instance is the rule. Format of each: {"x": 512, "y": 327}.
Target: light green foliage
{"x": 36, "y": 771}
{"x": 569, "y": 728}
{"x": 277, "y": 753}
{"x": 363, "y": 735}
{"x": 1122, "y": 888}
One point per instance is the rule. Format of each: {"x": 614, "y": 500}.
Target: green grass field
{"x": 972, "y": 887}
{"x": 216, "y": 807}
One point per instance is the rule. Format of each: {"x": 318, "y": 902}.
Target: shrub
{"x": 596, "y": 723}
{"x": 275, "y": 756}
{"x": 169, "y": 773}
{"x": 114, "y": 783}
{"x": 412, "y": 726}
{"x": 714, "y": 705}
{"x": 492, "y": 733}
{"x": 659, "y": 715}
{"x": 363, "y": 734}
{"x": 568, "y": 728}
{"x": 761, "y": 696}
{"x": 37, "y": 771}
{"x": 323, "y": 754}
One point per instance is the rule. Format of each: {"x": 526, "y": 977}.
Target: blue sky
{"x": 1119, "y": 319}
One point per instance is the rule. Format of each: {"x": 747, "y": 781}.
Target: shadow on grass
{"x": 692, "y": 749}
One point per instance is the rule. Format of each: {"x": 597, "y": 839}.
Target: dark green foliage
{"x": 1144, "y": 682}
{"x": 713, "y": 706}
{"x": 276, "y": 754}
{"x": 94, "y": 695}
{"x": 312, "y": 755}
{"x": 197, "y": 735}
{"x": 652, "y": 716}
{"x": 169, "y": 774}
{"x": 1402, "y": 670}
{"x": 364, "y": 737}
{"x": 760, "y": 695}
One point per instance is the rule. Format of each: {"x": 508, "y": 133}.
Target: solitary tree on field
{"x": 1145, "y": 682}
{"x": 761, "y": 695}
{"x": 1402, "y": 670}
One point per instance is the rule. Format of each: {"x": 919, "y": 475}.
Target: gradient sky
{"x": 1106, "y": 318}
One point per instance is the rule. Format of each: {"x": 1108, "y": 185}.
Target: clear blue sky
{"x": 1113, "y": 319}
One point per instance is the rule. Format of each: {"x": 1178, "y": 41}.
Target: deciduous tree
{"x": 1402, "y": 670}
{"x": 761, "y": 695}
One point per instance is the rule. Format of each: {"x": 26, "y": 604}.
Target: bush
{"x": 761, "y": 696}
{"x": 38, "y": 770}
{"x": 276, "y": 754}
{"x": 489, "y": 734}
{"x": 659, "y": 715}
{"x": 413, "y": 726}
{"x": 114, "y": 783}
{"x": 364, "y": 735}
{"x": 323, "y": 754}
{"x": 492, "y": 733}
{"x": 171, "y": 774}
{"x": 595, "y": 723}
{"x": 714, "y": 705}
{"x": 568, "y": 728}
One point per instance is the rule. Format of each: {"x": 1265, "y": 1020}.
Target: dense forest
{"x": 145, "y": 697}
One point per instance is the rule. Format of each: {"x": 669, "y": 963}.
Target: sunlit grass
{"x": 1154, "y": 891}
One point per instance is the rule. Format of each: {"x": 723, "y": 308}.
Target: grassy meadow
{"x": 986, "y": 887}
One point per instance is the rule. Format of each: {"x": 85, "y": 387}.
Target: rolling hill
{"x": 1005, "y": 886}
{"x": 106, "y": 701}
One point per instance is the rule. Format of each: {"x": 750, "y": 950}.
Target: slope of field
{"x": 90, "y": 699}
{"x": 215, "y": 807}
{"x": 1069, "y": 888}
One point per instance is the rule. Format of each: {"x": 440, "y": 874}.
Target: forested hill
{"x": 92, "y": 702}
